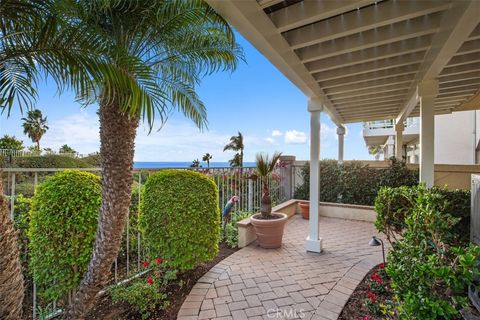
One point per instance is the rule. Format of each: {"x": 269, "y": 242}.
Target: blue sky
{"x": 256, "y": 100}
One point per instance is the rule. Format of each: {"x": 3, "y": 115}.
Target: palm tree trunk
{"x": 11, "y": 278}
{"x": 117, "y": 137}
{"x": 38, "y": 145}
{"x": 266, "y": 202}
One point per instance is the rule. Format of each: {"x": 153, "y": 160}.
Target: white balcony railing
{"x": 390, "y": 124}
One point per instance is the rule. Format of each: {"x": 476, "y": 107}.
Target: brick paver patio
{"x": 287, "y": 283}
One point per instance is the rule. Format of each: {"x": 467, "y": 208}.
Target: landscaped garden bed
{"x": 431, "y": 262}
{"x": 177, "y": 292}
{"x": 371, "y": 298}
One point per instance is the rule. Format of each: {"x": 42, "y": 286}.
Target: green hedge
{"x": 63, "y": 222}
{"x": 353, "y": 182}
{"x": 429, "y": 269}
{"x": 393, "y": 206}
{"x": 55, "y": 161}
{"x": 180, "y": 218}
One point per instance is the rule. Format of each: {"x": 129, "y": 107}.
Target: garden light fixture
{"x": 375, "y": 242}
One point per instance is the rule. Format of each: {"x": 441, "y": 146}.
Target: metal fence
{"x": 241, "y": 182}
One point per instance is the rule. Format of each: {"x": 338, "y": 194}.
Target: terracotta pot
{"x": 305, "y": 208}
{"x": 269, "y": 232}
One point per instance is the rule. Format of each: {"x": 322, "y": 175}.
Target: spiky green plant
{"x": 265, "y": 167}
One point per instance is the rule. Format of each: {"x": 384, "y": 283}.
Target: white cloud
{"x": 270, "y": 140}
{"x": 277, "y": 133}
{"x": 79, "y": 130}
{"x": 295, "y": 137}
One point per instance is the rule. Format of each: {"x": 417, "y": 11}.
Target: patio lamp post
{"x": 375, "y": 242}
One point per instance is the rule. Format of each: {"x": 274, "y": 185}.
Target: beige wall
{"x": 454, "y": 138}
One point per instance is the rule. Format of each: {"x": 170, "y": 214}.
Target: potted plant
{"x": 305, "y": 209}
{"x": 268, "y": 227}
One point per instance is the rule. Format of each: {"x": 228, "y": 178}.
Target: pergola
{"x": 364, "y": 60}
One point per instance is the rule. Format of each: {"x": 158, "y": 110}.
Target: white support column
{"x": 399, "y": 127}
{"x": 341, "y": 135}
{"x": 427, "y": 90}
{"x": 314, "y": 242}
{"x": 389, "y": 148}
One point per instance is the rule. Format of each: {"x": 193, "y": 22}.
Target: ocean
{"x": 156, "y": 165}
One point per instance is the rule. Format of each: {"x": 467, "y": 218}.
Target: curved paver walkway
{"x": 287, "y": 283}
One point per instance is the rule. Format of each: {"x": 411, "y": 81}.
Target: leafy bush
{"x": 353, "y": 182}
{"x": 62, "y": 230}
{"x": 393, "y": 205}
{"x": 146, "y": 295}
{"x": 429, "y": 274}
{"x": 230, "y": 231}
{"x": 56, "y": 161}
{"x": 22, "y": 219}
{"x": 180, "y": 218}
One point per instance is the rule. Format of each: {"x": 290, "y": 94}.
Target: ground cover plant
{"x": 230, "y": 230}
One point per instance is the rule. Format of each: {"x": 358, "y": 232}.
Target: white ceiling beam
{"x": 371, "y": 54}
{"x": 250, "y": 20}
{"x": 449, "y": 71}
{"x": 372, "y": 97}
{"x": 453, "y": 97}
{"x": 375, "y": 75}
{"x": 458, "y": 23}
{"x": 268, "y": 3}
{"x": 369, "y": 103}
{"x": 371, "y": 17}
{"x": 470, "y": 46}
{"x": 309, "y": 11}
{"x": 460, "y": 77}
{"x": 468, "y": 58}
{"x": 459, "y": 84}
{"x": 472, "y": 89}
{"x": 382, "y": 108}
{"x": 363, "y": 92}
{"x": 372, "y": 38}
{"x": 382, "y": 64}
{"x": 370, "y": 84}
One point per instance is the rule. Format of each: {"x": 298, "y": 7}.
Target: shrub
{"x": 62, "y": 230}
{"x": 429, "y": 275}
{"x": 393, "y": 205}
{"x": 56, "y": 161}
{"x": 353, "y": 182}
{"x": 230, "y": 231}
{"x": 180, "y": 218}
{"x": 146, "y": 295}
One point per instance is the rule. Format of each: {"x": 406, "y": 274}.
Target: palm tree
{"x": 34, "y": 42}
{"x": 375, "y": 151}
{"x": 265, "y": 167}
{"x": 207, "y": 157}
{"x": 195, "y": 164}
{"x": 11, "y": 278}
{"x": 174, "y": 44}
{"x": 35, "y": 126}
{"x": 236, "y": 144}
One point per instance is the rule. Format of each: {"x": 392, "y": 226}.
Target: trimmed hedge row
{"x": 353, "y": 182}
{"x": 55, "y": 161}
